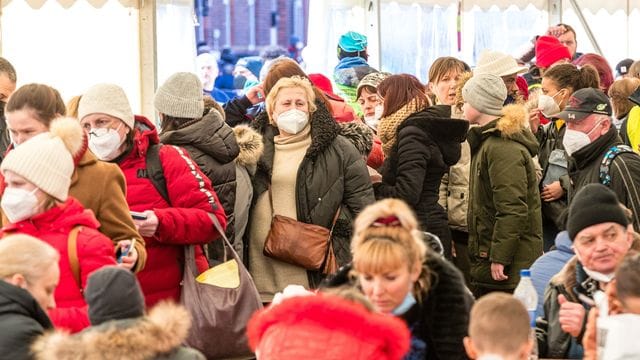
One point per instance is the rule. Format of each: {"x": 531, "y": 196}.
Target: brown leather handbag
{"x": 306, "y": 245}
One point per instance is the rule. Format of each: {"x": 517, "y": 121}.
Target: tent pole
{"x": 586, "y": 26}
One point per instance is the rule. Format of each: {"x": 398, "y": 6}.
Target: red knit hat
{"x": 326, "y": 327}
{"x": 549, "y": 50}
{"x": 523, "y": 87}
{"x": 323, "y": 83}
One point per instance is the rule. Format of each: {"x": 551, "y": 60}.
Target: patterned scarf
{"x": 387, "y": 128}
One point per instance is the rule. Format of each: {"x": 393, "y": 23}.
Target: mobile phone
{"x": 138, "y": 215}
{"x": 126, "y": 250}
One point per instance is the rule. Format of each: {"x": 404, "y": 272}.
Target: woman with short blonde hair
{"x": 400, "y": 276}
{"x": 309, "y": 173}
{"x": 29, "y": 274}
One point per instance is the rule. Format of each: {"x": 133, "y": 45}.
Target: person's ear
{"x": 606, "y": 125}
{"x": 525, "y": 349}
{"x": 469, "y": 348}
{"x": 17, "y": 280}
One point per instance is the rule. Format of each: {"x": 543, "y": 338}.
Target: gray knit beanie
{"x": 486, "y": 93}
{"x": 113, "y": 293}
{"x": 180, "y": 96}
{"x": 107, "y": 99}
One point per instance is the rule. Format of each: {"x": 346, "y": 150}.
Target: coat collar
{"x": 159, "y": 333}
{"x": 324, "y": 130}
{"x": 596, "y": 149}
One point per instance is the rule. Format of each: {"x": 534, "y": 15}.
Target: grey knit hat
{"x": 113, "y": 293}
{"x": 486, "y": 93}
{"x": 180, "y": 96}
{"x": 107, "y": 99}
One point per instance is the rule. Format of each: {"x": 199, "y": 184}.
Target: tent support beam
{"x": 372, "y": 16}
{"x": 148, "y": 61}
{"x": 585, "y": 25}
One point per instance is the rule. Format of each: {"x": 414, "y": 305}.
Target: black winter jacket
{"x": 332, "y": 174}
{"x": 442, "y": 318}
{"x": 212, "y": 144}
{"x": 428, "y": 142}
{"x": 584, "y": 168}
{"x": 21, "y": 321}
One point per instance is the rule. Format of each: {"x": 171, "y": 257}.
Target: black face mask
{"x": 238, "y": 81}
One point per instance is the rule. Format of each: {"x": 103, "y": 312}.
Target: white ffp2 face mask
{"x": 292, "y": 121}
{"x": 105, "y": 143}
{"x": 574, "y": 140}
{"x": 548, "y": 106}
{"x": 374, "y": 119}
{"x": 19, "y": 204}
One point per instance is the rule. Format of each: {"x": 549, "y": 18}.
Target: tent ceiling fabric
{"x": 37, "y": 4}
{"x": 592, "y": 5}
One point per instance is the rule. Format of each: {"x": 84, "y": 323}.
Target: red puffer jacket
{"x": 94, "y": 251}
{"x": 185, "y": 221}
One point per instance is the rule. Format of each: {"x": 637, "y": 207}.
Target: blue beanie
{"x": 252, "y": 63}
{"x": 352, "y": 42}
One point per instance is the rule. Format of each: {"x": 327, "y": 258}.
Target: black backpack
{"x": 155, "y": 171}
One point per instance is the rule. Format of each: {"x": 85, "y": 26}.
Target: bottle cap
{"x": 525, "y": 272}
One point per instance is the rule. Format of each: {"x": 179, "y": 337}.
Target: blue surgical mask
{"x": 407, "y": 303}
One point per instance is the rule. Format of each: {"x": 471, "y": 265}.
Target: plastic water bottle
{"x": 526, "y": 293}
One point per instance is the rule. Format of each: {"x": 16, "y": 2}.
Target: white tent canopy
{"x": 73, "y": 44}
{"x": 407, "y": 35}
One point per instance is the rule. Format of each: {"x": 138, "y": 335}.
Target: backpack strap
{"x": 72, "y": 253}
{"x": 609, "y": 156}
{"x": 155, "y": 171}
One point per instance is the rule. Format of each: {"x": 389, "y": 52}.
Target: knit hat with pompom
{"x": 45, "y": 160}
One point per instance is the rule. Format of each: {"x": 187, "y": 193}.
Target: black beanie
{"x": 594, "y": 204}
{"x": 113, "y": 293}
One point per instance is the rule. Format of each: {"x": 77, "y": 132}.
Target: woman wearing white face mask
{"x": 182, "y": 219}
{"x": 307, "y": 172}
{"x": 558, "y": 83}
{"x": 30, "y": 111}
{"x": 36, "y": 201}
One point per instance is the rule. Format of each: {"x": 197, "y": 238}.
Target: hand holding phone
{"x": 138, "y": 215}
{"x": 125, "y": 252}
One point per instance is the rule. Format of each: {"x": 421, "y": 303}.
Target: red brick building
{"x": 246, "y": 25}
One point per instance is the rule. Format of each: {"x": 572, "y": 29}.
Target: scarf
{"x": 388, "y": 126}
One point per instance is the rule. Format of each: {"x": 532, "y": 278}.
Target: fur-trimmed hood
{"x": 512, "y": 125}
{"x": 436, "y": 123}
{"x": 359, "y": 134}
{"x": 326, "y": 327}
{"x": 159, "y": 333}
{"x": 250, "y": 144}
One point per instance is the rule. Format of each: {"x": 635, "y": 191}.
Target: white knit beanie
{"x": 180, "y": 96}
{"x": 486, "y": 93}
{"x": 497, "y": 63}
{"x": 107, "y": 99}
{"x": 45, "y": 160}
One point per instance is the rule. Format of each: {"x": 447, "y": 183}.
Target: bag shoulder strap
{"x": 155, "y": 171}
{"x": 609, "y": 156}
{"x": 72, "y": 253}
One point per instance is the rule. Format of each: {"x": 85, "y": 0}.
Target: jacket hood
{"x": 351, "y": 70}
{"x": 436, "y": 123}
{"x": 60, "y": 218}
{"x": 146, "y": 134}
{"x": 159, "y": 333}
{"x": 512, "y": 125}
{"x": 250, "y": 144}
{"x": 14, "y": 300}
{"x": 210, "y": 134}
{"x": 563, "y": 242}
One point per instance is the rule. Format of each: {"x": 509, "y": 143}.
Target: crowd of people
{"x": 432, "y": 198}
